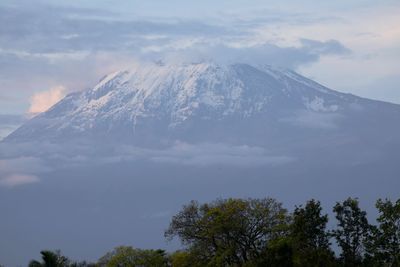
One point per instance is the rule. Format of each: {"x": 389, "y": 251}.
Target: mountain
{"x": 155, "y": 105}
{"x": 111, "y": 165}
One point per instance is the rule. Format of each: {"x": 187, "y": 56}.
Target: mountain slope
{"x": 156, "y": 104}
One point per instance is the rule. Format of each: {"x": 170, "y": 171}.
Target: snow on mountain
{"x": 201, "y": 102}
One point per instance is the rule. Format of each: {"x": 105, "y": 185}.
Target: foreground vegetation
{"x": 260, "y": 232}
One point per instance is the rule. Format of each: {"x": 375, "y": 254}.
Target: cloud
{"x": 18, "y": 179}
{"x": 317, "y": 120}
{"x": 42, "y": 101}
{"x": 62, "y": 33}
{"x": 181, "y": 153}
{"x": 330, "y": 47}
{"x": 267, "y": 53}
{"x": 20, "y": 170}
{"x": 52, "y": 44}
{"x": 61, "y": 29}
{"x": 17, "y": 168}
{"x": 205, "y": 154}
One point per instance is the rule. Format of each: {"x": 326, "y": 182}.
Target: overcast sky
{"x": 49, "y": 48}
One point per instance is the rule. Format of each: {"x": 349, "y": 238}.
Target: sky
{"x": 51, "y": 48}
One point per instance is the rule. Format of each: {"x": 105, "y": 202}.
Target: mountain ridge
{"x": 238, "y": 103}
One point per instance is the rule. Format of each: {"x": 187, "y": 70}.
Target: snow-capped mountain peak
{"x": 168, "y": 100}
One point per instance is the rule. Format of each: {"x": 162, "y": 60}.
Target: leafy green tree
{"x": 51, "y": 259}
{"x": 129, "y": 257}
{"x": 386, "y": 242}
{"x": 352, "y": 233}
{"x": 279, "y": 253}
{"x": 185, "y": 259}
{"x": 229, "y": 232}
{"x": 310, "y": 239}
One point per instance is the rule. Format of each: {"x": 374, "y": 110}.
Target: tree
{"x": 51, "y": 259}
{"x": 279, "y": 253}
{"x": 129, "y": 257}
{"x": 185, "y": 259}
{"x": 310, "y": 239}
{"x": 231, "y": 231}
{"x": 386, "y": 241}
{"x": 352, "y": 233}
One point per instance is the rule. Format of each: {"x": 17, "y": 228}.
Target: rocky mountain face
{"x": 153, "y": 105}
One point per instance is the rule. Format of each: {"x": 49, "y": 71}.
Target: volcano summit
{"x": 156, "y": 104}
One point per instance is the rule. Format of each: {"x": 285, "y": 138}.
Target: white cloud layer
{"x": 218, "y": 154}
{"x": 18, "y": 179}
{"x": 42, "y": 101}
{"x": 309, "y": 119}
{"x": 20, "y": 170}
{"x": 16, "y": 169}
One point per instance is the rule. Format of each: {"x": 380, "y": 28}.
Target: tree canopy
{"x": 261, "y": 232}
{"x": 232, "y": 231}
